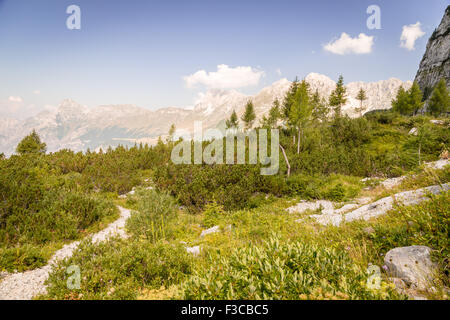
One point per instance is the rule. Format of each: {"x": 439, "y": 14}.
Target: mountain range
{"x": 78, "y": 127}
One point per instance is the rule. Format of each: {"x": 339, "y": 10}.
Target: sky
{"x": 164, "y": 53}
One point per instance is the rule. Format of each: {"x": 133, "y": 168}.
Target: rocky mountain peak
{"x": 435, "y": 63}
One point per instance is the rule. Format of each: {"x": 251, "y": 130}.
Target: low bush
{"x": 213, "y": 214}
{"x": 283, "y": 270}
{"x": 119, "y": 269}
{"x": 153, "y": 215}
{"x": 21, "y": 258}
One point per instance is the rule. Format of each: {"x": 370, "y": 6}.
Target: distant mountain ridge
{"x": 77, "y": 127}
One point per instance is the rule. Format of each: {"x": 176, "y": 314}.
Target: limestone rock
{"x": 435, "y": 63}
{"x": 413, "y": 131}
{"x": 209, "y": 231}
{"x": 194, "y": 250}
{"x": 411, "y": 264}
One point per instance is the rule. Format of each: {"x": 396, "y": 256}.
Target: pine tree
{"x": 31, "y": 144}
{"x": 338, "y": 97}
{"x": 171, "y": 133}
{"x": 249, "y": 115}
{"x": 319, "y": 106}
{"x": 301, "y": 109}
{"x": 401, "y": 102}
{"x": 288, "y": 99}
{"x": 233, "y": 121}
{"x": 440, "y": 99}
{"x": 273, "y": 116}
{"x": 415, "y": 97}
{"x": 361, "y": 97}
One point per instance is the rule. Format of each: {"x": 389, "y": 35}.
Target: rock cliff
{"x": 435, "y": 63}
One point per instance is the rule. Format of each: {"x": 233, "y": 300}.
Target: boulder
{"x": 413, "y": 265}
{"x": 209, "y": 231}
{"x": 413, "y": 131}
{"x": 194, "y": 250}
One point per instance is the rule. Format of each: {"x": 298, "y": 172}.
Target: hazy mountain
{"x": 78, "y": 127}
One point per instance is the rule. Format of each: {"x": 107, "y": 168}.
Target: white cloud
{"x": 15, "y": 99}
{"x": 225, "y": 77}
{"x": 37, "y": 91}
{"x": 409, "y": 36}
{"x": 347, "y": 45}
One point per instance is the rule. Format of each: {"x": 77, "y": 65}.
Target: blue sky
{"x": 138, "y": 52}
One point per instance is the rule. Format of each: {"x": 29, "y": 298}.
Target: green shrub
{"x": 197, "y": 185}
{"x": 212, "y": 214}
{"x": 21, "y": 258}
{"x": 119, "y": 269}
{"x": 154, "y": 213}
{"x": 336, "y": 193}
{"x": 282, "y": 270}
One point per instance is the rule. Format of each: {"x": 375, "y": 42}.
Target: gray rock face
{"x": 435, "y": 63}
{"x": 413, "y": 265}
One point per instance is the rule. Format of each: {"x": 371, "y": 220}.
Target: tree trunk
{"x": 298, "y": 142}
{"x": 286, "y": 160}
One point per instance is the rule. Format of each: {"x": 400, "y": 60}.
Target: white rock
{"x": 439, "y": 122}
{"x": 413, "y": 131}
{"x": 311, "y": 205}
{"x": 392, "y": 182}
{"x": 381, "y": 206}
{"x": 413, "y": 265}
{"x": 194, "y": 250}
{"x": 209, "y": 231}
{"x": 327, "y": 219}
{"x": 440, "y": 164}
{"x": 347, "y": 207}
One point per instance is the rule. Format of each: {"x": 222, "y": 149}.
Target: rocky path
{"x": 28, "y": 284}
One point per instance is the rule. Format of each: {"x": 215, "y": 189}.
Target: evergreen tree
{"x": 338, "y": 97}
{"x": 273, "y": 116}
{"x": 440, "y": 99}
{"x": 319, "y": 106}
{"x": 233, "y": 121}
{"x": 171, "y": 133}
{"x": 361, "y": 97}
{"x": 301, "y": 109}
{"x": 249, "y": 115}
{"x": 288, "y": 99}
{"x": 401, "y": 102}
{"x": 415, "y": 98}
{"x": 31, "y": 144}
